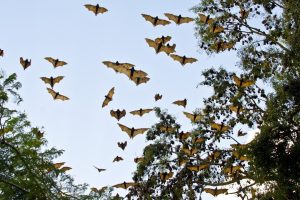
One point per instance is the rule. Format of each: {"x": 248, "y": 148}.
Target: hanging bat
{"x": 138, "y": 159}
{"x": 241, "y": 82}
{"x": 165, "y": 176}
{"x": 216, "y": 29}
{"x": 132, "y": 132}
{"x": 198, "y": 168}
{"x": 99, "y": 169}
{"x": 182, "y": 135}
{"x": 232, "y": 169}
{"x": 122, "y": 145}
{"x": 178, "y": 19}
{"x": 25, "y": 63}
{"x": 56, "y": 95}
{"x": 167, "y": 129}
{"x": 117, "y": 66}
{"x": 162, "y": 39}
{"x": 193, "y": 117}
{"x": 124, "y": 185}
{"x": 56, "y": 62}
{"x": 157, "y": 97}
{"x": 189, "y": 152}
{"x": 140, "y": 80}
{"x": 220, "y": 127}
{"x": 141, "y": 112}
{"x": 117, "y": 159}
{"x": 52, "y": 81}
{"x": 108, "y": 97}
{"x": 221, "y": 46}
{"x": 160, "y": 47}
{"x": 96, "y": 9}
{"x": 1, "y": 52}
{"x": 155, "y": 20}
{"x": 181, "y": 102}
{"x": 118, "y": 114}
{"x": 215, "y": 192}
{"x": 183, "y": 59}
{"x": 214, "y": 155}
{"x": 205, "y": 19}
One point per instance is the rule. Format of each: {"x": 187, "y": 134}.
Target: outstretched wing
{"x": 99, "y": 169}
{"x": 124, "y": 185}
{"x": 180, "y": 102}
{"x": 141, "y": 112}
{"x": 125, "y": 129}
{"x": 193, "y": 117}
{"x": 117, "y": 66}
{"x": 162, "y": 39}
{"x": 46, "y": 80}
{"x": 56, "y": 62}
{"x": 168, "y": 49}
{"x": 140, "y": 80}
{"x": 155, "y": 20}
{"x": 215, "y": 192}
{"x": 139, "y": 131}
{"x": 56, "y": 95}
{"x": 178, "y": 19}
{"x": 95, "y": 10}
{"x": 242, "y": 83}
{"x": 220, "y": 127}
{"x": 176, "y": 57}
{"x": 198, "y": 167}
{"x": 205, "y": 19}
{"x": 108, "y": 97}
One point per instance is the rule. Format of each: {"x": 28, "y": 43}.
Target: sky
{"x": 68, "y": 31}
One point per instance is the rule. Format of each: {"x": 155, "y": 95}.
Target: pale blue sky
{"x": 68, "y": 31}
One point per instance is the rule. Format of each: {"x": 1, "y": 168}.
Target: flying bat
{"x": 1, "y": 52}
{"x": 138, "y": 159}
{"x": 241, "y": 82}
{"x": 181, "y": 102}
{"x": 117, "y": 66}
{"x": 167, "y": 129}
{"x": 182, "y": 135}
{"x": 99, "y": 169}
{"x": 162, "y": 39}
{"x": 232, "y": 169}
{"x": 96, "y": 9}
{"x": 108, "y": 97}
{"x": 56, "y": 95}
{"x": 215, "y": 192}
{"x": 189, "y": 152}
{"x": 165, "y": 176}
{"x": 216, "y": 29}
{"x": 193, "y": 117}
{"x": 155, "y": 20}
{"x": 117, "y": 159}
{"x": 178, "y": 19}
{"x": 140, "y": 80}
{"x": 132, "y": 72}
{"x": 183, "y": 59}
{"x": 132, "y": 132}
{"x": 198, "y": 168}
{"x": 52, "y": 81}
{"x": 157, "y": 97}
{"x": 122, "y": 145}
{"x": 55, "y": 62}
{"x": 241, "y": 133}
{"x": 220, "y": 127}
{"x": 221, "y": 46}
{"x": 160, "y": 47}
{"x": 118, "y": 114}
{"x": 25, "y": 63}
{"x": 214, "y": 155}
{"x": 141, "y": 111}
{"x": 124, "y": 185}
{"x": 205, "y": 19}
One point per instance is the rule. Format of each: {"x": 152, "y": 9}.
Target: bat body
{"x": 118, "y": 66}
{"x": 118, "y": 114}
{"x": 163, "y": 39}
{"x": 215, "y": 192}
{"x": 122, "y": 145}
{"x": 56, "y": 95}
{"x": 181, "y": 102}
{"x": 96, "y": 9}
{"x": 108, "y": 97}
{"x": 220, "y": 127}
{"x": 25, "y": 63}
{"x": 99, "y": 169}
{"x": 117, "y": 159}
{"x": 205, "y": 19}
{"x": 132, "y": 132}
{"x": 241, "y": 82}
{"x": 1, "y": 52}
{"x": 198, "y": 168}
{"x": 124, "y": 185}
{"x": 141, "y": 112}
{"x": 193, "y": 117}
{"x": 157, "y": 97}
{"x": 56, "y": 62}
{"x": 51, "y": 80}
{"x": 155, "y": 20}
{"x": 178, "y": 19}
{"x": 189, "y": 152}
{"x": 165, "y": 176}
{"x": 183, "y": 59}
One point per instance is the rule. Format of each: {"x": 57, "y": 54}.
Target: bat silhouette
{"x": 155, "y": 20}
{"x": 193, "y": 117}
{"x": 56, "y": 62}
{"x": 138, "y": 159}
{"x": 52, "y": 81}
{"x": 122, "y": 145}
{"x": 182, "y": 135}
{"x": 117, "y": 159}
{"x": 56, "y": 95}
{"x": 162, "y": 39}
{"x": 124, "y": 185}
{"x": 232, "y": 169}
{"x": 181, "y": 102}
{"x": 96, "y": 9}
{"x": 241, "y": 82}
{"x": 118, "y": 114}
{"x": 25, "y": 63}
{"x": 99, "y": 169}
{"x": 157, "y": 97}
{"x": 236, "y": 109}
{"x": 220, "y": 127}
{"x": 215, "y": 192}
{"x": 108, "y": 97}
{"x": 241, "y": 133}
{"x": 167, "y": 129}
{"x": 198, "y": 167}
{"x": 165, "y": 176}
{"x": 1, "y": 52}
{"x": 190, "y": 151}
{"x": 132, "y": 132}
{"x": 205, "y": 19}
{"x": 117, "y": 66}
{"x": 160, "y": 47}
{"x": 216, "y": 29}
{"x": 178, "y": 19}
{"x": 221, "y": 46}
{"x": 141, "y": 111}
{"x": 183, "y": 59}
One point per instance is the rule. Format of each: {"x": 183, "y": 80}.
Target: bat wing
{"x": 176, "y": 58}
{"x": 247, "y": 83}
{"x": 232, "y": 169}
{"x": 165, "y": 176}
{"x": 190, "y": 60}
{"x": 51, "y": 60}
{"x": 139, "y": 131}
{"x": 162, "y": 22}
{"x": 149, "y": 18}
{"x": 60, "y": 63}
{"x": 216, "y": 29}
{"x": 219, "y": 127}
{"x": 58, "y": 165}
{"x": 62, "y": 97}
{"x": 215, "y": 192}
{"x": 124, "y": 185}
{"x": 162, "y": 39}
{"x": 56, "y": 95}
{"x": 46, "y": 80}
{"x": 58, "y": 79}
{"x": 171, "y": 17}
{"x": 52, "y": 92}
{"x": 205, "y": 19}
{"x": 168, "y": 49}
{"x": 64, "y": 169}
{"x": 186, "y": 20}
{"x": 122, "y": 145}
{"x": 135, "y": 112}
{"x": 151, "y": 43}
{"x": 108, "y": 97}
{"x": 111, "y": 65}
{"x": 117, "y": 159}
{"x": 236, "y": 109}
{"x": 138, "y": 159}
{"x": 95, "y": 10}
{"x": 197, "y": 168}
{"x": 125, "y": 129}
{"x": 180, "y": 103}
{"x": 237, "y": 80}
{"x": 140, "y": 80}
{"x": 199, "y": 140}
{"x": 99, "y": 169}
{"x": 157, "y": 97}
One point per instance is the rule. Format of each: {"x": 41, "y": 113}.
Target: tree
{"x": 265, "y": 34}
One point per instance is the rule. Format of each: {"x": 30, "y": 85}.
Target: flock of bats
{"x": 159, "y": 44}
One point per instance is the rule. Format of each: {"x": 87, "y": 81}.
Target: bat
{"x": 232, "y": 169}
{"x": 108, "y": 97}
{"x": 157, "y": 97}
{"x": 56, "y": 62}
{"x": 244, "y": 14}
{"x": 117, "y": 66}
{"x": 214, "y": 155}
{"x": 64, "y": 169}
{"x": 178, "y": 19}
{"x": 138, "y": 159}
{"x": 216, "y": 29}
{"x": 168, "y": 49}
{"x": 122, "y": 145}
{"x": 118, "y": 114}
{"x": 221, "y": 46}
{"x": 58, "y": 165}
{"x": 215, "y": 192}
{"x": 241, "y": 133}
{"x": 241, "y": 82}
{"x": 140, "y": 80}
{"x": 198, "y": 168}
{"x": 162, "y": 39}
{"x": 96, "y": 9}
{"x": 56, "y": 95}
{"x": 160, "y": 47}
{"x": 99, "y": 169}
{"x": 189, "y": 152}
{"x": 181, "y": 102}
{"x": 132, "y": 132}
{"x": 198, "y": 140}
{"x": 155, "y": 20}
{"x": 133, "y": 73}
{"x": 182, "y": 135}
{"x": 193, "y": 117}
{"x": 220, "y": 127}
{"x": 183, "y": 59}
{"x": 1, "y": 52}
{"x": 25, "y": 63}
{"x": 165, "y": 176}
{"x": 117, "y": 159}
{"x": 167, "y": 129}
{"x": 124, "y": 185}
{"x": 205, "y": 19}
{"x": 141, "y": 112}
{"x": 236, "y": 109}
{"x": 51, "y": 80}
